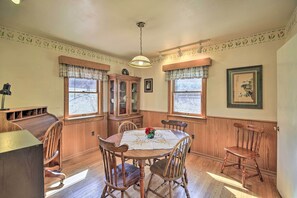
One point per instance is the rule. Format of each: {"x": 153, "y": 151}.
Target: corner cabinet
{"x": 123, "y": 101}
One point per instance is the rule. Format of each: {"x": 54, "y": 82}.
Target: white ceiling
{"x": 109, "y": 26}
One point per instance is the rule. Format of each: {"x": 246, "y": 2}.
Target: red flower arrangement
{"x": 150, "y": 132}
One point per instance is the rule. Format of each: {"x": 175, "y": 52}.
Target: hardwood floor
{"x": 85, "y": 179}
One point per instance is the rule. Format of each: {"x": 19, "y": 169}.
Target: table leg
{"x": 141, "y": 180}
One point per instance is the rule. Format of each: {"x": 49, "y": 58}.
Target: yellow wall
{"x": 259, "y": 54}
{"x": 33, "y": 73}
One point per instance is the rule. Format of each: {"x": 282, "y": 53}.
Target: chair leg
{"x": 258, "y": 170}
{"x": 170, "y": 189}
{"x": 135, "y": 162}
{"x": 243, "y": 173}
{"x": 186, "y": 187}
{"x": 61, "y": 176}
{"x": 186, "y": 175}
{"x": 148, "y": 186}
{"x": 104, "y": 191}
{"x": 122, "y": 194}
{"x": 225, "y": 161}
{"x": 239, "y": 162}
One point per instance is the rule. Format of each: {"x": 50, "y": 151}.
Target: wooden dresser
{"x": 123, "y": 101}
{"x": 21, "y": 165}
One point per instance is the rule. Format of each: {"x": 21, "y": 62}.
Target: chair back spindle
{"x": 248, "y": 137}
{"x": 50, "y": 141}
{"x": 174, "y": 124}
{"x": 176, "y": 161}
{"x": 111, "y": 170}
{"x": 126, "y": 126}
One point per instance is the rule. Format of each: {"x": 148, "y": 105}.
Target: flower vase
{"x": 150, "y": 136}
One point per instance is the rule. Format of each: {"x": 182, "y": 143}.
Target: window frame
{"x": 66, "y": 101}
{"x": 171, "y": 87}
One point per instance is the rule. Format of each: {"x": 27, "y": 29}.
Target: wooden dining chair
{"x": 174, "y": 124}
{"x": 126, "y": 126}
{"x": 117, "y": 176}
{"x": 172, "y": 168}
{"x": 50, "y": 142}
{"x": 248, "y": 141}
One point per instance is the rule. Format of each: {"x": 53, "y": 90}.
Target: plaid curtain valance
{"x": 194, "y": 72}
{"x": 73, "y": 71}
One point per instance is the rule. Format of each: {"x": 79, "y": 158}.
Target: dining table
{"x": 141, "y": 155}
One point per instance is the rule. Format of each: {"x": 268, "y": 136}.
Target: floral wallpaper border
{"x": 253, "y": 39}
{"x": 29, "y": 39}
{"x": 292, "y": 22}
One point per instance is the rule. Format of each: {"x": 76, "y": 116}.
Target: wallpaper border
{"x": 37, "y": 41}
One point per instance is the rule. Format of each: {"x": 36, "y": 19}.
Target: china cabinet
{"x": 123, "y": 101}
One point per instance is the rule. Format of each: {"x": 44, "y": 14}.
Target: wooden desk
{"x": 142, "y": 155}
{"x": 34, "y": 119}
{"x": 21, "y": 165}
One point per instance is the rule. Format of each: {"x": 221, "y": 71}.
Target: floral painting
{"x": 244, "y": 87}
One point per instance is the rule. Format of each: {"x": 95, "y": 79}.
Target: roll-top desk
{"x": 34, "y": 119}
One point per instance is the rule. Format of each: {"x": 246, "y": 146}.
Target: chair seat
{"x": 158, "y": 168}
{"x": 241, "y": 152}
{"x": 132, "y": 174}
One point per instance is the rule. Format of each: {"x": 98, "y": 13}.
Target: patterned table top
{"x": 137, "y": 140}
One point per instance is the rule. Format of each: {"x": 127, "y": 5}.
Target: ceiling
{"x": 109, "y": 26}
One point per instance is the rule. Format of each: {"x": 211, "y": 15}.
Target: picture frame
{"x": 245, "y": 87}
{"x": 148, "y": 85}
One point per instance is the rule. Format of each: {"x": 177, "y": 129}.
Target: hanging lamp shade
{"x": 140, "y": 61}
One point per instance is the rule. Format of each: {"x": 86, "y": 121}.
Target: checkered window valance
{"x": 194, "y": 72}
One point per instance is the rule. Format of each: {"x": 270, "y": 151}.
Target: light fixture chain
{"x": 140, "y": 40}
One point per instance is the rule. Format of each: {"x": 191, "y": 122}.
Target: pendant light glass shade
{"x": 140, "y": 61}
{"x": 16, "y": 1}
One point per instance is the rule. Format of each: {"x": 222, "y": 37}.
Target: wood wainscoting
{"x": 80, "y": 135}
{"x": 212, "y": 134}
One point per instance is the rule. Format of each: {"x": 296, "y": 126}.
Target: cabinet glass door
{"x": 122, "y": 100}
{"x": 111, "y": 96}
{"x": 134, "y": 97}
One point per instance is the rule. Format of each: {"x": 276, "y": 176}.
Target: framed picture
{"x": 148, "y": 85}
{"x": 244, "y": 87}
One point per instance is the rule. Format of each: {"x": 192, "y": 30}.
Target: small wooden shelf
{"x": 24, "y": 113}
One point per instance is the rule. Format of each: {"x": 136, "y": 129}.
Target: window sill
{"x": 188, "y": 116}
{"x": 74, "y": 120}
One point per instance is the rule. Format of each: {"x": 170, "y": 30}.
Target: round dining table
{"x": 142, "y": 155}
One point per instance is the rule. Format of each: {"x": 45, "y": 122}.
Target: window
{"x": 83, "y": 97}
{"x": 187, "y": 97}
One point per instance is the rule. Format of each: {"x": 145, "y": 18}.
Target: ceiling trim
{"x": 292, "y": 22}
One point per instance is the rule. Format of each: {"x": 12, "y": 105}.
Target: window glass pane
{"x": 187, "y": 103}
{"x": 82, "y": 85}
{"x": 193, "y": 84}
{"x": 83, "y": 103}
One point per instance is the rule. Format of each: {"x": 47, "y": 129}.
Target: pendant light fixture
{"x": 16, "y": 1}
{"x": 140, "y": 61}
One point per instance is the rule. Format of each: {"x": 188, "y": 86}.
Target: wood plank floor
{"x": 85, "y": 180}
